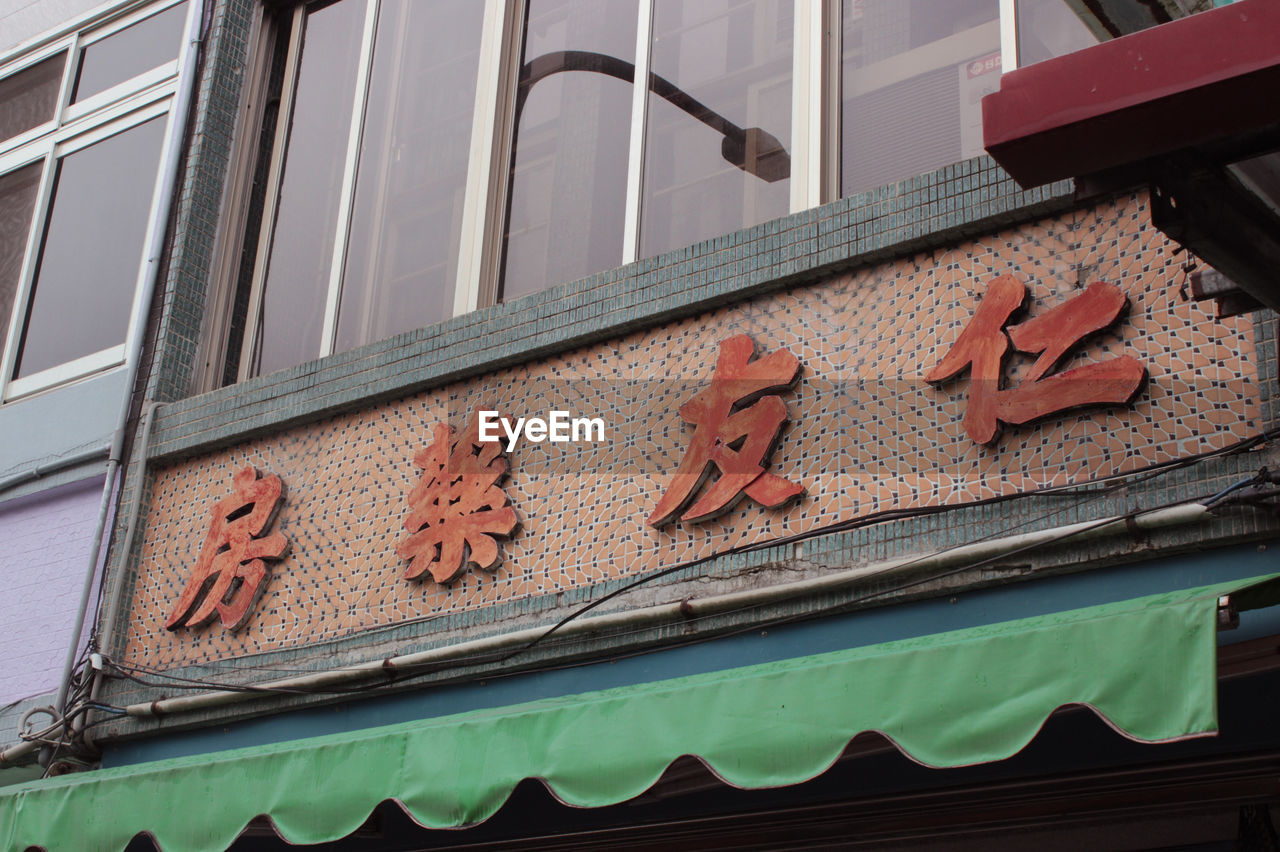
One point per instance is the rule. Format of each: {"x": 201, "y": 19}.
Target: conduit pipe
{"x": 43, "y": 470}
{"x": 138, "y": 323}
{"x": 682, "y": 610}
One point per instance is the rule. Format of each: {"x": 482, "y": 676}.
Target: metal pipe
{"x": 682, "y": 610}
{"x": 15, "y": 753}
{"x": 42, "y": 470}
{"x": 111, "y": 607}
{"x": 133, "y": 357}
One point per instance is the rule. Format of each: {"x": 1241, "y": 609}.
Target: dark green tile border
{"x": 932, "y": 210}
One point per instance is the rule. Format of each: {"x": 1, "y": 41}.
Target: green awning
{"x": 1147, "y": 666}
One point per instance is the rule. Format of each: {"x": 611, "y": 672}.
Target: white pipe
{"x": 43, "y": 470}
{"x": 15, "y": 753}
{"x": 682, "y": 610}
{"x": 138, "y": 324}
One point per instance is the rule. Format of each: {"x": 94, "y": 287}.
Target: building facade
{"x": 747, "y": 457}
{"x": 91, "y": 136}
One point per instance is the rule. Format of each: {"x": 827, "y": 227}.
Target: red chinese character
{"x": 230, "y": 573}
{"x": 983, "y": 345}
{"x": 734, "y": 436}
{"x": 457, "y": 507}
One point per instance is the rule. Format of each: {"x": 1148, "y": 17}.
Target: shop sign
{"x": 735, "y": 440}
{"x": 230, "y": 574}
{"x": 458, "y": 506}
{"x": 459, "y": 512}
{"x": 983, "y": 345}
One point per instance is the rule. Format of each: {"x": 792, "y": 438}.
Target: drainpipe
{"x": 155, "y": 249}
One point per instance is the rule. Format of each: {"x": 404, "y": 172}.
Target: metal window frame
{"x": 146, "y": 96}
{"x": 482, "y": 193}
{"x": 815, "y": 150}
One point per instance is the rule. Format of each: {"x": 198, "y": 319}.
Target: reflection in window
{"x": 124, "y": 55}
{"x": 402, "y": 254}
{"x": 92, "y": 251}
{"x": 568, "y": 178}
{"x": 29, "y": 98}
{"x": 914, "y": 75}
{"x": 721, "y": 165}
{"x": 715, "y": 146}
{"x": 397, "y": 250}
{"x": 297, "y": 279}
{"x": 18, "y": 192}
{"x": 1050, "y": 28}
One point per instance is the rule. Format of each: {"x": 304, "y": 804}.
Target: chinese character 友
{"x": 735, "y": 428}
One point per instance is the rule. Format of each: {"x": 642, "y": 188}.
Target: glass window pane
{"x": 718, "y": 141}
{"x": 29, "y": 98}
{"x": 297, "y": 282}
{"x": 914, "y": 75}
{"x": 402, "y": 253}
{"x": 18, "y": 191}
{"x": 569, "y": 168}
{"x": 92, "y": 249}
{"x": 1049, "y": 28}
{"x": 124, "y": 55}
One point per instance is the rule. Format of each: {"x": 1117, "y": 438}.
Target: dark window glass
{"x": 718, "y": 139}
{"x": 29, "y": 98}
{"x": 131, "y": 51}
{"x": 92, "y": 251}
{"x": 914, "y": 75}
{"x": 402, "y": 252}
{"x": 569, "y": 168}
{"x": 18, "y": 192}
{"x": 297, "y": 280}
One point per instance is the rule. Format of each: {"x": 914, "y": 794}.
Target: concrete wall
{"x": 21, "y": 20}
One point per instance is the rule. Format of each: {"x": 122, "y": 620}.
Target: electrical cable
{"x": 1115, "y": 482}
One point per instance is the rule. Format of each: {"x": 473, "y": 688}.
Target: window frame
{"x": 483, "y": 216}
{"x": 74, "y": 127}
{"x": 815, "y": 146}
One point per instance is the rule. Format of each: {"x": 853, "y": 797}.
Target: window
{"x": 713, "y": 139}
{"x": 83, "y": 120}
{"x": 431, "y": 156}
{"x": 1049, "y": 28}
{"x": 430, "y": 194}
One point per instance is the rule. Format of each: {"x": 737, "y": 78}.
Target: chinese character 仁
{"x": 982, "y": 346}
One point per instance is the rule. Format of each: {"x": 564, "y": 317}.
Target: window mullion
{"x": 69, "y": 72}
{"x": 1008, "y": 35}
{"x": 347, "y": 194}
{"x": 806, "y": 105}
{"x": 271, "y": 203}
{"x": 35, "y": 233}
{"x": 486, "y": 173}
{"x": 639, "y": 111}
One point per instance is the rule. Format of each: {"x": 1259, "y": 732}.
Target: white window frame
{"x": 814, "y": 150}
{"x": 488, "y": 159}
{"x": 147, "y": 96}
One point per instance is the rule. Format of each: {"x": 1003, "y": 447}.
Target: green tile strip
{"x": 936, "y": 209}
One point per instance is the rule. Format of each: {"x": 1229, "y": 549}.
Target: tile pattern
{"x": 867, "y": 435}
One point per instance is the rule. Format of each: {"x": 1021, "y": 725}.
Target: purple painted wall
{"x": 45, "y": 541}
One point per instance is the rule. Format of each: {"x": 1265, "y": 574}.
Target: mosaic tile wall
{"x": 867, "y": 435}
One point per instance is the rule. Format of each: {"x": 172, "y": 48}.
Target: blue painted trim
{"x": 868, "y": 627}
